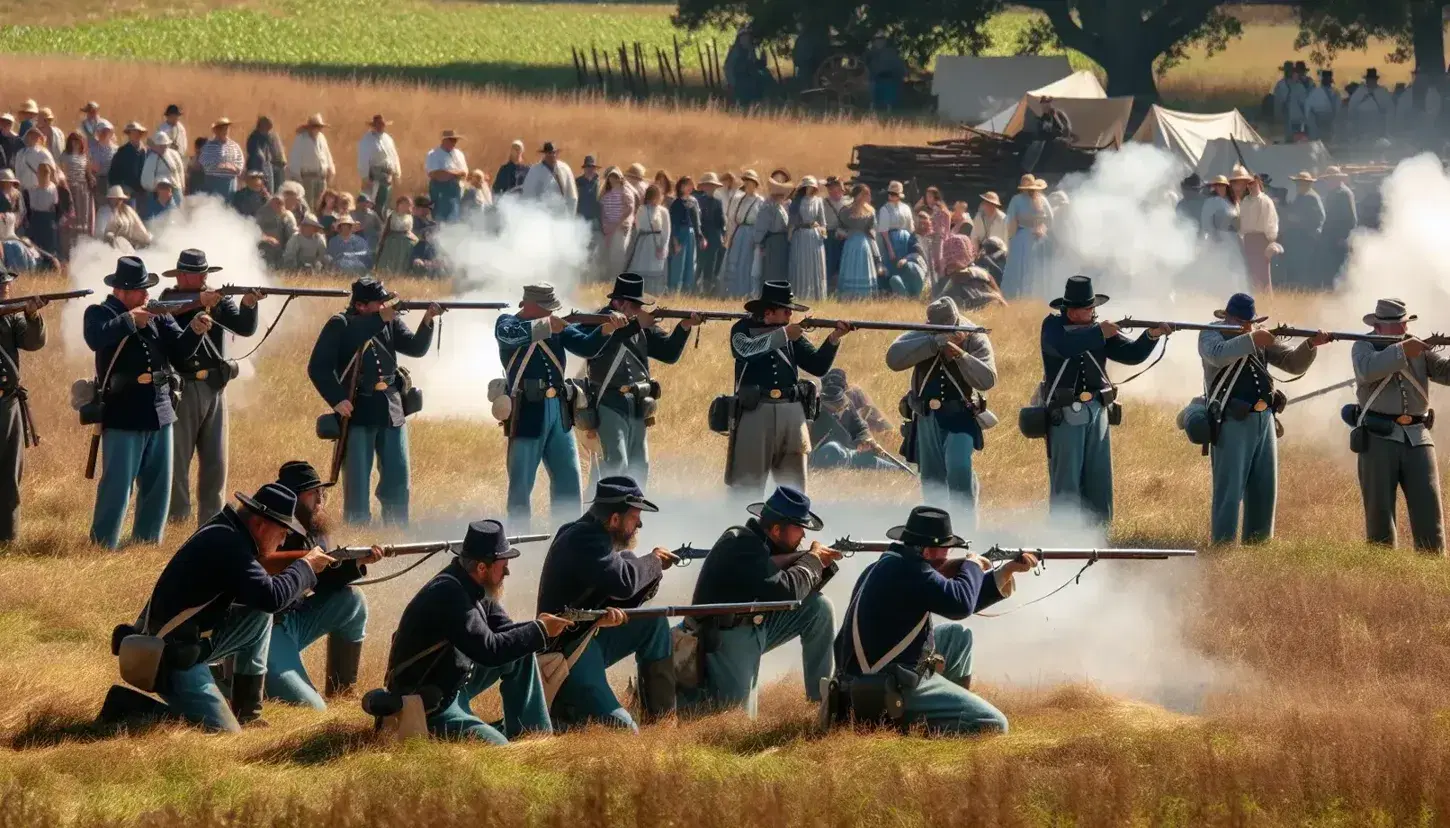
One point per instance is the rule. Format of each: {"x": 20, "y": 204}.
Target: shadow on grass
{"x": 49, "y": 728}
{"x": 318, "y": 747}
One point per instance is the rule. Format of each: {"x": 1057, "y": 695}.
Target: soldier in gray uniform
{"x": 18, "y": 332}
{"x": 1392, "y": 424}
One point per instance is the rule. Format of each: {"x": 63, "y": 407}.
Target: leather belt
{"x": 1401, "y": 419}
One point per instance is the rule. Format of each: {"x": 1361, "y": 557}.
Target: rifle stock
{"x": 93, "y": 453}
{"x": 395, "y": 550}
{"x": 16, "y": 304}
{"x": 686, "y": 611}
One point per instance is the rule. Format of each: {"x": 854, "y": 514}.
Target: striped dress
{"x": 941, "y": 227}
{"x": 860, "y": 258}
{"x": 616, "y": 216}
{"x": 808, "y": 248}
{"x": 740, "y": 257}
{"x": 83, "y": 206}
{"x": 771, "y": 229}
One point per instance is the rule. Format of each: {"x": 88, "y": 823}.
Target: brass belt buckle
{"x": 758, "y": 620}
{"x": 381, "y": 386}
{"x": 1404, "y": 419}
{"x": 933, "y": 404}
{"x": 551, "y": 392}
{"x": 144, "y": 379}
{"x": 1085, "y": 396}
{"x": 202, "y": 374}
{"x": 1260, "y": 405}
{"x": 775, "y": 393}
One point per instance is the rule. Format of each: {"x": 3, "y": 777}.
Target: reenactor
{"x": 840, "y": 438}
{"x": 762, "y": 561}
{"x": 201, "y": 416}
{"x": 24, "y": 331}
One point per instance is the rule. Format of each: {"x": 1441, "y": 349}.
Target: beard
{"x": 623, "y": 540}
{"x": 317, "y": 522}
{"x": 494, "y": 592}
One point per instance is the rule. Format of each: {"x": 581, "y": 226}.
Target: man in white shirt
{"x": 163, "y": 161}
{"x": 28, "y": 160}
{"x": 377, "y": 162}
{"x": 1322, "y": 107}
{"x": 1259, "y": 227}
{"x": 90, "y": 123}
{"x": 990, "y": 222}
{"x": 54, "y": 138}
{"x": 310, "y": 161}
{"x": 551, "y": 180}
{"x": 174, "y": 129}
{"x": 446, "y": 168}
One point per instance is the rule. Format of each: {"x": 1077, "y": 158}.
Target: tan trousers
{"x": 771, "y": 440}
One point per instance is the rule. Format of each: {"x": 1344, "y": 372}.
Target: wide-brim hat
{"x": 131, "y": 274}
{"x": 367, "y": 289}
{"x": 116, "y": 191}
{"x": 895, "y": 188}
{"x": 1303, "y": 175}
{"x": 315, "y": 121}
{"x": 450, "y": 133}
{"x": 163, "y": 181}
{"x": 1390, "y": 311}
{"x": 275, "y": 503}
{"x": 589, "y": 163}
{"x": 1372, "y": 73}
{"x": 1218, "y": 181}
{"x": 310, "y": 220}
{"x": 775, "y": 295}
{"x": 47, "y": 113}
{"x": 191, "y": 260}
{"x": 258, "y": 174}
{"x": 1031, "y": 182}
{"x": 992, "y": 199}
{"x": 379, "y": 119}
{"x": 622, "y": 490}
{"x": 636, "y": 170}
{"x": 750, "y": 175}
{"x": 221, "y": 122}
{"x": 1241, "y": 306}
{"x": 543, "y": 295}
{"x": 709, "y": 178}
{"x": 29, "y": 107}
{"x": 927, "y": 527}
{"x": 160, "y": 139}
{"x": 300, "y": 476}
{"x": 1240, "y": 174}
{"x": 486, "y": 541}
{"x": 630, "y": 287}
{"x": 780, "y": 187}
{"x": 788, "y": 505}
{"x": 548, "y": 147}
{"x": 91, "y": 106}
{"x": 810, "y": 181}
{"x": 7, "y": 176}
{"x": 1078, "y": 293}
{"x": 346, "y": 221}
{"x": 172, "y": 109}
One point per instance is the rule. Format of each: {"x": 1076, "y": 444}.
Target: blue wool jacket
{"x": 1075, "y": 346}
{"x": 764, "y": 357}
{"x": 341, "y": 338}
{"x": 582, "y": 570}
{"x": 515, "y": 335}
{"x": 160, "y": 349}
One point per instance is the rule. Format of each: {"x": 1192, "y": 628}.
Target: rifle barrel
{"x": 448, "y": 304}
{"x": 1338, "y": 336}
{"x": 1133, "y": 324}
{"x": 848, "y": 547}
{"x": 688, "y": 610}
{"x": 676, "y": 313}
{"x": 242, "y": 290}
{"x": 1002, "y": 553}
{"x": 50, "y": 297}
{"x": 867, "y": 325}
{"x": 393, "y": 550}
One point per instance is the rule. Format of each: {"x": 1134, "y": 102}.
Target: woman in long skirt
{"x": 46, "y": 204}
{"x": 75, "y": 165}
{"x": 894, "y": 223}
{"x": 651, "y": 246}
{"x": 739, "y": 278}
{"x": 395, "y": 252}
{"x": 771, "y": 234}
{"x": 808, "y": 241}
{"x": 941, "y": 223}
{"x": 685, "y": 225}
{"x": 616, "y": 218}
{"x": 1029, "y": 221}
{"x": 860, "y": 259}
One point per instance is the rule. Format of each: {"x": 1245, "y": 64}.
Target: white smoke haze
{"x": 496, "y": 253}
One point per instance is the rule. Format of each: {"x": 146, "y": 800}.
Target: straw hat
{"x": 46, "y": 113}
{"x": 135, "y": 126}
{"x": 315, "y": 120}
{"x": 344, "y": 220}
{"x": 221, "y": 122}
{"x": 1031, "y": 182}
{"x": 91, "y": 106}
{"x": 1218, "y": 180}
{"x": 709, "y": 178}
{"x": 450, "y": 133}
{"x": 809, "y": 181}
{"x": 117, "y": 191}
{"x": 751, "y": 175}
{"x": 29, "y": 107}
{"x": 612, "y": 171}
{"x": 992, "y": 199}
{"x": 1303, "y": 175}
{"x": 1240, "y": 174}
{"x": 636, "y": 170}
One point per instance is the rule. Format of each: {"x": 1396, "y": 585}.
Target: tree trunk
{"x": 1427, "y": 34}
{"x": 1130, "y": 73}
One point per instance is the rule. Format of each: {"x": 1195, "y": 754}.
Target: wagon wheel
{"x": 844, "y": 77}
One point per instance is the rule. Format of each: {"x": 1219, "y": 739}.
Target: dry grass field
{"x": 1299, "y": 683}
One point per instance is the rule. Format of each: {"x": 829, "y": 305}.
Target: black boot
{"x": 247, "y": 700}
{"x": 342, "y": 663}
{"x": 657, "y": 689}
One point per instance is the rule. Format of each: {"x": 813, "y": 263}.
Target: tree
{"x": 1416, "y": 27}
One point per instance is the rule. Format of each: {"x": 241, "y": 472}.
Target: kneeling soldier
{"x": 215, "y": 599}
{"x": 840, "y": 438}
{"x": 760, "y": 561}
{"x": 590, "y": 566}
{"x": 888, "y": 646}
{"x": 334, "y": 609}
{"x": 455, "y": 640}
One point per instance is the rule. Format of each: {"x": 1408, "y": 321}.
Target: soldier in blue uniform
{"x": 23, "y": 331}
{"x": 201, "y": 416}
{"x": 622, "y": 393}
{"x": 839, "y": 436}
{"x": 1245, "y": 451}
{"x": 535, "y": 404}
{"x": 768, "y": 426}
{"x": 214, "y": 600}
{"x": 1080, "y": 398}
{"x": 137, "y": 357}
{"x": 334, "y": 609}
{"x": 762, "y": 561}
{"x": 950, "y": 373}
{"x": 590, "y": 566}
{"x": 455, "y": 641}
{"x": 889, "y": 645}
{"x": 367, "y": 339}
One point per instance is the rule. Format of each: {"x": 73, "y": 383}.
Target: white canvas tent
{"x": 1097, "y": 120}
{"x": 969, "y": 88}
{"x": 1278, "y": 160}
{"x": 1082, "y": 84}
{"x": 1187, "y": 134}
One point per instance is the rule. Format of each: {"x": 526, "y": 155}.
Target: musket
{"x": 169, "y": 307}
{"x": 448, "y": 304}
{"x": 848, "y": 547}
{"x": 16, "y": 304}
{"x": 184, "y": 301}
{"x": 689, "y": 553}
{"x": 1130, "y": 323}
{"x": 812, "y": 322}
{"x": 395, "y": 550}
{"x": 1433, "y": 341}
{"x": 719, "y": 316}
{"x": 686, "y": 611}
{"x": 1322, "y": 391}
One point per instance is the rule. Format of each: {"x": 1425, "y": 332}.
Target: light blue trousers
{"x": 556, "y": 450}
{"x": 732, "y": 671}
{"x": 623, "y": 442}
{"x": 194, "y": 695}
{"x": 523, "y": 704}
{"x": 1080, "y": 466}
{"x": 585, "y": 696}
{"x": 833, "y": 455}
{"x": 941, "y": 704}
{"x": 133, "y": 458}
{"x": 682, "y": 264}
{"x": 1245, "y": 472}
{"x": 390, "y": 446}
{"x": 944, "y": 460}
{"x": 343, "y": 613}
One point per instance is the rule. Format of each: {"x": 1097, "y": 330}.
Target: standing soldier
{"x": 201, "y": 416}
{"x": 359, "y": 349}
{"x": 138, "y": 355}
{"x": 535, "y": 404}
{"x": 334, "y": 608}
{"x": 762, "y": 561}
{"x": 1245, "y": 451}
{"x": 455, "y": 637}
{"x": 950, "y": 373}
{"x": 1079, "y": 398}
{"x": 18, "y": 332}
{"x": 590, "y": 566}
{"x": 772, "y": 403}
{"x": 621, "y": 390}
{"x": 1396, "y": 450}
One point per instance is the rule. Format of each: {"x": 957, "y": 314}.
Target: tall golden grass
{"x": 1338, "y": 653}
